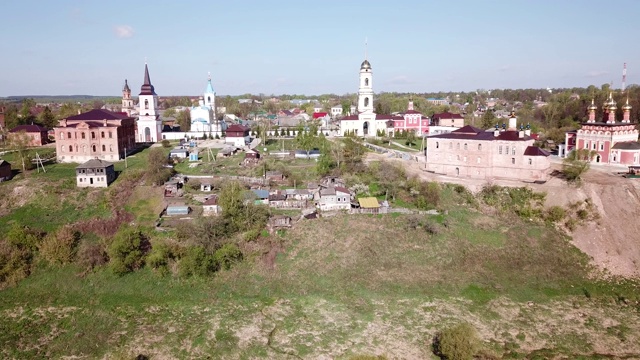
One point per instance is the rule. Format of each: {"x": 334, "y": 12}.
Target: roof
{"x": 365, "y": 65}
{"x": 447, "y": 115}
{"x": 211, "y": 201}
{"x": 469, "y": 132}
{"x": 209, "y": 89}
{"x": 412, "y": 112}
{"x": 317, "y": 115}
{"x": 262, "y": 194}
{"x": 147, "y": 88}
{"x": 277, "y": 196}
{"x": 99, "y": 114}
{"x": 627, "y": 145}
{"x": 4, "y": 163}
{"x": 341, "y": 189}
{"x": 535, "y": 151}
{"x": 92, "y": 124}
{"x": 602, "y": 123}
{"x": 94, "y": 163}
{"x": 368, "y": 203}
{"x": 178, "y": 209}
{"x": 126, "y": 86}
{"x": 28, "y": 128}
{"x": 237, "y": 127}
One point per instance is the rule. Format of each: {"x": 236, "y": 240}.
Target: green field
{"x": 333, "y": 287}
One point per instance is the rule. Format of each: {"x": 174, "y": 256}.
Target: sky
{"x": 87, "y": 47}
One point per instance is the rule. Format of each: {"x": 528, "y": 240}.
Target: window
{"x": 82, "y": 135}
{"x": 601, "y": 146}
{"x": 110, "y": 135}
{"x": 450, "y": 145}
{"x": 465, "y": 146}
{"x": 68, "y": 135}
{"x": 458, "y": 146}
{"x": 458, "y": 157}
{"x": 366, "y": 101}
{"x": 437, "y": 145}
{"x": 530, "y": 161}
{"x": 500, "y": 150}
{"x": 102, "y": 134}
{"x": 593, "y": 145}
{"x": 94, "y": 148}
{"x": 104, "y": 148}
{"x": 366, "y": 81}
{"x": 93, "y": 135}
{"x": 586, "y": 145}
{"x": 111, "y": 148}
{"x": 84, "y": 149}
{"x": 61, "y": 136}
{"x": 513, "y": 150}
{"x": 513, "y": 160}
{"x": 146, "y": 104}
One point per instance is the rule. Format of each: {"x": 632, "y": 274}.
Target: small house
{"x": 179, "y": 153}
{"x": 95, "y": 173}
{"x": 206, "y": 187}
{"x": 238, "y": 135}
{"x": 252, "y": 154}
{"x": 211, "y": 207}
{"x": 274, "y": 176}
{"x": 261, "y": 197}
{"x": 36, "y": 134}
{"x": 334, "y": 198}
{"x": 277, "y": 199}
{"x": 177, "y": 210}
{"x": 172, "y": 188}
{"x": 228, "y": 151}
{"x": 5, "y": 170}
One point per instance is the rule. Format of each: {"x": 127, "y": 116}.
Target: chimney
{"x": 104, "y": 122}
{"x": 496, "y": 132}
{"x": 79, "y": 111}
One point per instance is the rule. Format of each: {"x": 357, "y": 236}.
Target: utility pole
{"x": 125, "y": 158}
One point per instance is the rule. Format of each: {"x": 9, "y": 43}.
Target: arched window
{"x": 61, "y": 136}
{"x": 366, "y": 101}
{"x": 513, "y": 160}
{"x": 93, "y": 148}
{"x": 146, "y": 103}
{"x": 93, "y": 135}
{"x": 82, "y": 135}
{"x": 513, "y": 150}
{"x": 480, "y": 147}
{"x": 111, "y": 148}
{"x": 209, "y": 99}
{"x": 68, "y": 135}
{"x": 84, "y": 149}
{"x": 104, "y": 148}
{"x": 102, "y": 134}
{"x": 366, "y": 81}
{"x": 437, "y": 145}
{"x": 110, "y": 135}
{"x": 450, "y": 145}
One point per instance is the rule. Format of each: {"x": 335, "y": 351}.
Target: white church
{"x": 149, "y": 124}
{"x": 366, "y": 122}
{"x": 203, "y": 116}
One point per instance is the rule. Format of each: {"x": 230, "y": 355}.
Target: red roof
{"x": 237, "y": 128}
{"x": 99, "y": 114}
{"x": 28, "y": 128}
{"x": 412, "y": 112}
{"x": 319, "y": 115}
{"x": 535, "y": 151}
{"x": 211, "y": 201}
{"x": 341, "y": 189}
{"x": 447, "y": 115}
{"x": 350, "y": 117}
{"x": 92, "y": 124}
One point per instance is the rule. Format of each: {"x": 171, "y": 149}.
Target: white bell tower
{"x": 149, "y": 123}
{"x": 210, "y": 97}
{"x": 365, "y": 91}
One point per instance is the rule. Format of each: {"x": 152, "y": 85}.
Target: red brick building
{"x": 37, "y": 134}
{"x": 98, "y": 133}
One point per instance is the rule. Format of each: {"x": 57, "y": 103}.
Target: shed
{"x": 174, "y": 210}
{"x": 5, "y": 170}
{"x": 206, "y": 187}
{"x": 252, "y": 154}
{"x": 193, "y": 155}
{"x": 179, "y": 153}
{"x": 368, "y": 203}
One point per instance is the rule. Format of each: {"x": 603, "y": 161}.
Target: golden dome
{"x": 626, "y": 107}
{"x": 593, "y": 106}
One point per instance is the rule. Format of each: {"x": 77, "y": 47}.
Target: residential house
{"x": 37, "y": 134}
{"x": 179, "y": 152}
{"x": 5, "y": 170}
{"x": 95, "y": 173}
{"x": 261, "y": 196}
{"x": 317, "y": 108}
{"x": 274, "y": 176}
{"x": 94, "y": 134}
{"x": 211, "y": 207}
{"x": 238, "y": 135}
{"x": 251, "y": 154}
{"x": 411, "y": 120}
{"x": 447, "y": 119}
{"x": 334, "y": 198}
{"x": 206, "y": 187}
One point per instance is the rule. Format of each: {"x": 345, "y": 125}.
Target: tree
{"x": 577, "y": 163}
{"x": 411, "y": 138}
{"x": 488, "y": 120}
{"x": 19, "y": 142}
{"x": 184, "y": 120}
{"x": 307, "y": 140}
{"x": 47, "y": 119}
{"x": 157, "y": 171}
{"x": 25, "y": 112}
{"x": 459, "y": 342}
{"x": 127, "y": 251}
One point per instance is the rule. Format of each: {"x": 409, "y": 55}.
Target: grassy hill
{"x": 333, "y": 287}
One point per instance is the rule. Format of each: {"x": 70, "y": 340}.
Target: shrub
{"x": 159, "y": 258}
{"x": 127, "y": 251}
{"x": 61, "y": 246}
{"x": 555, "y": 214}
{"x": 196, "y": 262}
{"x": 91, "y": 255}
{"x": 16, "y": 254}
{"x": 166, "y": 143}
{"x": 459, "y": 342}
{"x": 582, "y": 214}
{"x": 227, "y": 255}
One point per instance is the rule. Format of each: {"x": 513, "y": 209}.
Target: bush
{"x": 16, "y": 254}
{"x": 61, "y": 246}
{"x": 91, "y": 255}
{"x": 459, "y": 342}
{"x": 196, "y": 262}
{"x": 166, "y": 143}
{"x": 159, "y": 258}
{"x": 555, "y": 214}
{"x": 227, "y": 255}
{"x": 127, "y": 251}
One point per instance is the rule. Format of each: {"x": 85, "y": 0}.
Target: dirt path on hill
{"x": 613, "y": 242}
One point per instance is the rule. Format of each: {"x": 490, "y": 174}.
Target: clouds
{"x": 123, "y": 31}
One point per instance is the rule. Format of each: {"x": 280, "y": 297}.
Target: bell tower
{"x": 365, "y": 91}
{"x": 127, "y": 102}
{"x": 149, "y": 123}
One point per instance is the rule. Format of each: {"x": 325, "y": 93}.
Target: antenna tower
{"x": 624, "y": 76}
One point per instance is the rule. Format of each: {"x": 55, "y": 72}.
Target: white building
{"x": 203, "y": 116}
{"x": 366, "y": 122}
{"x": 149, "y": 125}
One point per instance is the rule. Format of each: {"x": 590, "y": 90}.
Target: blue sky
{"x": 312, "y": 47}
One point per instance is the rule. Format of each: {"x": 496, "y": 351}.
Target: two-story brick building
{"x": 96, "y": 134}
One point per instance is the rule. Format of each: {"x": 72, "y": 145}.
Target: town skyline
{"x": 73, "y": 48}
